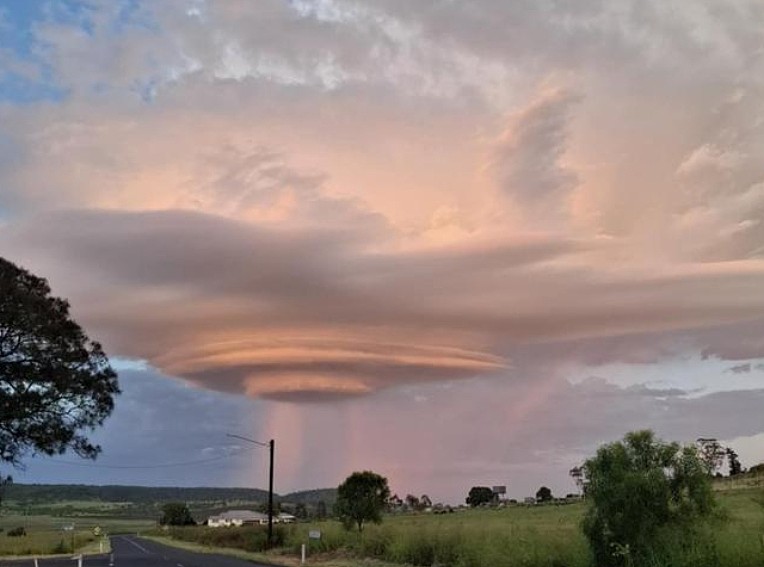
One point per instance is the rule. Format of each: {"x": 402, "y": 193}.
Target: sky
{"x": 456, "y": 243}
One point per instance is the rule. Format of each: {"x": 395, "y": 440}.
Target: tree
{"x": 479, "y": 495}
{"x": 733, "y": 462}
{"x": 425, "y": 502}
{"x": 412, "y": 502}
{"x": 543, "y": 494}
{"x": 361, "y": 498}
{"x": 711, "y": 453}
{"x": 321, "y": 510}
{"x": 4, "y": 482}
{"x": 55, "y": 382}
{"x": 577, "y": 474}
{"x": 641, "y": 489}
{"x": 176, "y": 514}
{"x": 757, "y": 469}
{"x": 394, "y": 503}
{"x": 301, "y": 511}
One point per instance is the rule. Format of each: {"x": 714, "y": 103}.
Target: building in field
{"x": 237, "y": 518}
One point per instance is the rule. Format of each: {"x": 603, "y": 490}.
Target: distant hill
{"x": 312, "y": 497}
{"x": 49, "y": 493}
{"x": 80, "y": 500}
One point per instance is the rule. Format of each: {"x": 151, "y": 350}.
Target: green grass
{"x": 519, "y": 536}
{"x": 740, "y": 540}
{"x": 536, "y": 536}
{"x": 45, "y": 534}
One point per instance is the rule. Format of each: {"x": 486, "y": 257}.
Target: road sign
{"x": 314, "y": 534}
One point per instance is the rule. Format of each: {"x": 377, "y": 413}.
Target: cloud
{"x": 527, "y": 156}
{"x": 437, "y": 211}
{"x": 309, "y": 313}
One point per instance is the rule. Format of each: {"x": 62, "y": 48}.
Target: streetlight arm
{"x": 248, "y": 439}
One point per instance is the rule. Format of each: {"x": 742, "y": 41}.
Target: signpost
{"x": 312, "y": 534}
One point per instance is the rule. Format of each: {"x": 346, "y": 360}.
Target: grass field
{"x": 46, "y": 534}
{"x": 532, "y": 536}
{"x": 536, "y": 536}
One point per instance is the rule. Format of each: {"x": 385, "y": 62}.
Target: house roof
{"x": 243, "y": 515}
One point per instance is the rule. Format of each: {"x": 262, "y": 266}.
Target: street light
{"x": 271, "y": 445}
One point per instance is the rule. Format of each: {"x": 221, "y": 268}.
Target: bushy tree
{"x": 412, "y": 502}
{"x": 361, "y": 498}
{"x": 176, "y": 514}
{"x": 479, "y": 495}
{"x": 639, "y": 490}
{"x": 55, "y": 382}
{"x": 711, "y": 453}
{"x": 733, "y": 461}
{"x": 544, "y": 494}
{"x": 300, "y": 510}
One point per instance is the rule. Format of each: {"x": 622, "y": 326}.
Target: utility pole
{"x": 272, "y": 446}
{"x": 272, "y": 449}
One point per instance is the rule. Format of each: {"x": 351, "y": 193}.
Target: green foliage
{"x": 735, "y": 468}
{"x": 16, "y": 532}
{"x": 4, "y": 482}
{"x": 543, "y": 536}
{"x": 361, "y": 498}
{"x": 479, "y": 495}
{"x": 711, "y": 454}
{"x": 544, "y": 494}
{"x": 54, "y": 381}
{"x": 642, "y": 491}
{"x": 300, "y": 510}
{"x": 757, "y": 469}
{"x": 247, "y": 538}
{"x": 176, "y": 514}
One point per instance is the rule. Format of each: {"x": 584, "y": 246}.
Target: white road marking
{"x": 143, "y": 549}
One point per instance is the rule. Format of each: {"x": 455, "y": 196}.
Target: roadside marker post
{"x": 302, "y": 555}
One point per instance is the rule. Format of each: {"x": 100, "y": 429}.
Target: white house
{"x": 284, "y": 518}
{"x": 237, "y": 518}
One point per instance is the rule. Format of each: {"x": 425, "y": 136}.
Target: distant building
{"x": 237, "y": 518}
{"x": 284, "y": 518}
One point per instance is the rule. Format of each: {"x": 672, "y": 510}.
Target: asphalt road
{"x": 131, "y": 551}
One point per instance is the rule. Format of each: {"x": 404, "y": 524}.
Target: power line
{"x": 157, "y": 466}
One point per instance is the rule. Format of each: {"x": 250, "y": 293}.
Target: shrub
{"x": 248, "y": 538}
{"x": 17, "y": 532}
{"x": 647, "y": 499}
